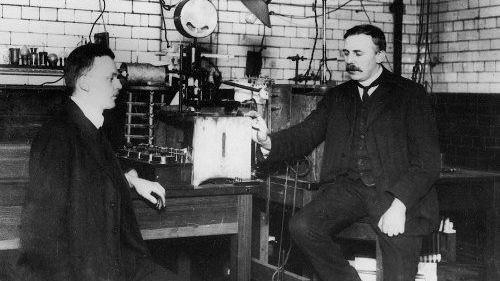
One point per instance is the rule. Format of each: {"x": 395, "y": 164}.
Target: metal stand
{"x": 142, "y": 108}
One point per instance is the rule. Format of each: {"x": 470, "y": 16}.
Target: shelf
{"x": 32, "y": 87}
{"x": 147, "y": 88}
{"x": 7, "y": 69}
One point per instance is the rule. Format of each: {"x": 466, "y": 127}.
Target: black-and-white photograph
{"x": 249, "y": 140}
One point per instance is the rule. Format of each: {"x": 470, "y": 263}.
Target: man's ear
{"x": 82, "y": 83}
{"x": 380, "y": 56}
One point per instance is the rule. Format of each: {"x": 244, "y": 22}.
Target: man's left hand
{"x": 392, "y": 222}
{"x": 151, "y": 191}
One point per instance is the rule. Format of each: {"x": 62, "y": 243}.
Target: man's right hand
{"x": 259, "y": 132}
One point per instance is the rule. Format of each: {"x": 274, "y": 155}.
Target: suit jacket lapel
{"x": 89, "y": 134}
{"x": 350, "y": 102}
{"x": 381, "y": 98}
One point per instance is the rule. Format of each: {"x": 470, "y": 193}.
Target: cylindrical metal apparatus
{"x": 144, "y": 73}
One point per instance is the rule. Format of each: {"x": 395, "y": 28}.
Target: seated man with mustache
{"x": 381, "y": 157}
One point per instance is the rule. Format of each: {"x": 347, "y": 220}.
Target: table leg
{"x": 241, "y": 243}
{"x": 492, "y": 247}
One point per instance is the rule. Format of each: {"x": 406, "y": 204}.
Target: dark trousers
{"x": 147, "y": 270}
{"x": 335, "y": 207}
{"x": 137, "y": 268}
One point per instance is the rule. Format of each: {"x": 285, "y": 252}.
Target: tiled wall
{"x": 465, "y": 50}
{"x": 465, "y": 44}
{"x": 135, "y": 33}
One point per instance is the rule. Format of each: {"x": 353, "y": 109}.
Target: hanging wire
{"x": 315, "y": 4}
{"x": 308, "y": 17}
{"x": 282, "y": 231}
{"x": 427, "y": 45}
{"x": 162, "y": 15}
{"x": 52, "y": 82}
{"x": 282, "y": 261}
{"x": 95, "y": 22}
{"x": 417, "y": 67}
{"x": 423, "y": 56}
{"x": 364, "y": 10}
{"x": 262, "y": 47}
{"x": 102, "y": 18}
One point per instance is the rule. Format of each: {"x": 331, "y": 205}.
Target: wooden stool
{"x": 363, "y": 231}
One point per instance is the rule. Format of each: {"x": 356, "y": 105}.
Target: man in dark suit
{"x": 78, "y": 220}
{"x": 381, "y": 157}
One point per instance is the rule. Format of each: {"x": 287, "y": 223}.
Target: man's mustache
{"x": 352, "y": 67}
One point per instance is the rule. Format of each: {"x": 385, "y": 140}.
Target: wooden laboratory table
{"x": 211, "y": 210}
{"x": 459, "y": 191}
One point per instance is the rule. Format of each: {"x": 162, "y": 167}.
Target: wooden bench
{"x": 217, "y": 210}
{"x": 11, "y": 198}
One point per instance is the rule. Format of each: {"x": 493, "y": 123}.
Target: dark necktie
{"x": 365, "y": 95}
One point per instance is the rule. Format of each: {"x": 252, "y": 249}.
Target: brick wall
{"x": 465, "y": 43}
{"x": 135, "y": 33}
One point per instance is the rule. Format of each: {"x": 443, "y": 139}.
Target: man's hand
{"x": 392, "y": 222}
{"x": 259, "y": 134}
{"x": 151, "y": 191}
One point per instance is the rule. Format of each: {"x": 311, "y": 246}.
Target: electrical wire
{"x": 428, "y": 46}
{"x": 423, "y": 56}
{"x": 262, "y": 47}
{"x": 168, "y": 7}
{"x": 282, "y": 262}
{"x": 315, "y": 16}
{"x": 52, "y": 82}
{"x": 279, "y": 268}
{"x": 315, "y": 4}
{"x": 96, "y": 20}
{"x": 102, "y": 18}
{"x": 308, "y": 17}
{"x": 364, "y": 10}
{"x": 217, "y": 33}
{"x": 162, "y": 15}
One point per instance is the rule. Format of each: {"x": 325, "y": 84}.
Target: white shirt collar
{"x": 374, "y": 77}
{"x": 368, "y": 82}
{"x": 90, "y": 111}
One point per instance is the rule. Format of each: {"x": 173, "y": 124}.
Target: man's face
{"x": 361, "y": 57}
{"x": 102, "y": 82}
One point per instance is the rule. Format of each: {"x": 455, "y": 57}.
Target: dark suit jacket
{"x": 401, "y": 139}
{"x": 78, "y": 222}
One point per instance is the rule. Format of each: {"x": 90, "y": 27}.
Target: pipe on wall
{"x": 397, "y": 8}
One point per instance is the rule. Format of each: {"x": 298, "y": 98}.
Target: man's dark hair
{"x": 376, "y": 33}
{"x": 80, "y": 60}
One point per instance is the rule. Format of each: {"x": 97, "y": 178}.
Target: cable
{"x": 427, "y": 45}
{"x": 282, "y": 263}
{"x": 100, "y": 15}
{"x": 52, "y": 82}
{"x": 308, "y": 17}
{"x": 262, "y": 41}
{"x": 279, "y": 268}
{"x": 162, "y": 6}
{"x": 421, "y": 59}
{"x": 217, "y": 33}
{"x": 167, "y": 7}
{"x": 102, "y": 18}
{"x": 315, "y": 3}
{"x": 364, "y": 10}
